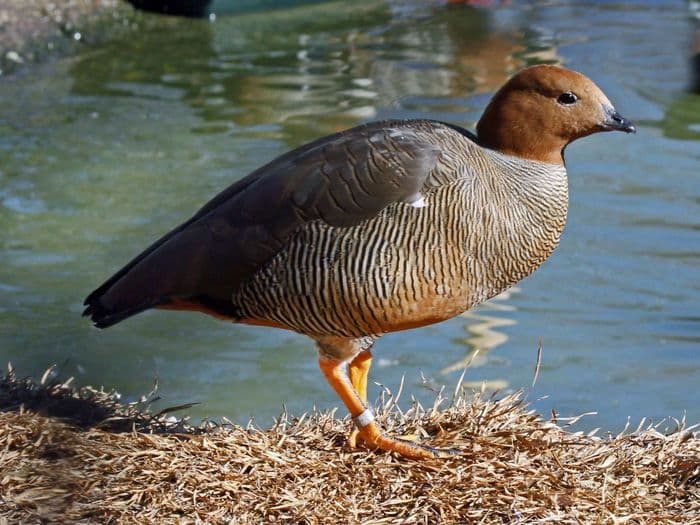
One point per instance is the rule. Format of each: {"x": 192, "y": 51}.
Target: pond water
{"x": 102, "y": 152}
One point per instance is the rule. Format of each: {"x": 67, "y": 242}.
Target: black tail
{"x": 173, "y": 266}
{"x": 145, "y": 282}
{"x": 102, "y": 317}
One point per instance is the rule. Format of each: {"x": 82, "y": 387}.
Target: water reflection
{"x": 296, "y": 74}
{"x": 682, "y": 119}
{"x": 254, "y": 73}
{"x": 483, "y": 328}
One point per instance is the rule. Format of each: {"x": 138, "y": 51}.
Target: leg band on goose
{"x": 364, "y": 419}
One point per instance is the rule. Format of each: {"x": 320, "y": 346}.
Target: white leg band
{"x": 364, "y": 419}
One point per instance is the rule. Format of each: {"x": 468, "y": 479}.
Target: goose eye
{"x": 567, "y": 98}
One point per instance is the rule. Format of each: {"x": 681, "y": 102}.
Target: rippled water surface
{"x": 103, "y": 152}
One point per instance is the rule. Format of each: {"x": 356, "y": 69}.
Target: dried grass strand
{"x": 512, "y": 467}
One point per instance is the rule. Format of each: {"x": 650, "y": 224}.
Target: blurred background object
{"x": 193, "y": 8}
{"x": 695, "y": 58}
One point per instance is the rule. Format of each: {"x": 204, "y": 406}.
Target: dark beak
{"x": 616, "y": 122}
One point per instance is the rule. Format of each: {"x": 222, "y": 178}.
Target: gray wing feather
{"x": 342, "y": 180}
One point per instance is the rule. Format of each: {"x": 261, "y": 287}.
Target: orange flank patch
{"x": 191, "y": 306}
{"x": 425, "y": 312}
{"x": 392, "y": 326}
{"x": 413, "y": 323}
{"x": 263, "y": 322}
{"x": 397, "y": 321}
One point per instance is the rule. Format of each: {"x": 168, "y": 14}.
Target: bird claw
{"x": 434, "y": 452}
{"x": 354, "y": 439}
{"x": 406, "y": 445}
{"x": 444, "y": 452}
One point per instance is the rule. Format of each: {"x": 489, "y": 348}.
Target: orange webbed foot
{"x": 367, "y": 432}
{"x": 351, "y": 387}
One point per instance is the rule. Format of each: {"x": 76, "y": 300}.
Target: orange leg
{"x": 358, "y": 369}
{"x": 368, "y": 430}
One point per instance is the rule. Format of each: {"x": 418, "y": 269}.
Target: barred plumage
{"x": 487, "y": 223}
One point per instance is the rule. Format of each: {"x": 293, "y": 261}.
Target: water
{"x": 103, "y": 152}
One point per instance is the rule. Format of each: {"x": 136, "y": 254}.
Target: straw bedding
{"x": 105, "y": 462}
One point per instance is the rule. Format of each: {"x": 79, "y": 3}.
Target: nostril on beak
{"x": 620, "y": 123}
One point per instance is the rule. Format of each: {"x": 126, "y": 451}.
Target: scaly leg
{"x": 368, "y": 430}
{"x": 358, "y": 369}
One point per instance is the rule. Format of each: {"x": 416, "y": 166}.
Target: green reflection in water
{"x": 682, "y": 119}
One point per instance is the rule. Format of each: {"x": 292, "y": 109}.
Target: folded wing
{"x": 342, "y": 179}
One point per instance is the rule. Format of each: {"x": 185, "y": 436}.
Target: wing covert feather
{"x": 342, "y": 180}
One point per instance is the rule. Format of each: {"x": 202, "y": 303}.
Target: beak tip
{"x": 616, "y": 122}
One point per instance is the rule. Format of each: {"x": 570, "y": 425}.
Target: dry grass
{"x": 512, "y": 467}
